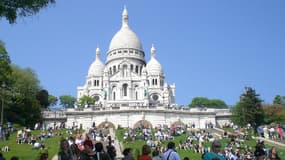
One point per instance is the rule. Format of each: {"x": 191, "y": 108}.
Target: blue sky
{"x": 208, "y": 48}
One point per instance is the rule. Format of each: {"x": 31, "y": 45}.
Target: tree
{"x": 216, "y": 103}
{"x": 248, "y": 110}
{"x": 42, "y": 97}
{"x": 52, "y": 100}
{"x": 279, "y": 100}
{"x": 5, "y": 66}
{"x": 67, "y": 101}
{"x": 209, "y": 103}
{"x": 199, "y": 102}
{"x": 86, "y": 100}
{"x": 12, "y": 9}
{"x": 274, "y": 114}
{"x": 22, "y": 106}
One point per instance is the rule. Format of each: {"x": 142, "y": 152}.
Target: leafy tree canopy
{"x": 67, "y": 101}
{"x": 279, "y": 100}
{"x": 5, "y": 66}
{"x": 12, "y": 9}
{"x": 21, "y": 104}
{"x": 52, "y": 100}
{"x": 209, "y": 103}
{"x": 274, "y": 114}
{"x": 86, "y": 100}
{"x": 42, "y": 97}
{"x": 248, "y": 110}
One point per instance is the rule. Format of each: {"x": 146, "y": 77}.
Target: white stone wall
{"x": 128, "y": 118}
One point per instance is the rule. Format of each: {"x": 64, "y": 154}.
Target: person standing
{"x": 273, "y": 155}
{"x": 65, "y": 152}
{"x": 145, "y": 153}
{"x": 215, "y": 152}
{"x": 170, "y": 154}
{"x": 128, "y": 154}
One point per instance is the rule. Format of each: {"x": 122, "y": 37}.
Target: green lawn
{"x": 25, "y": 151}
{"x": 137, "y": 145}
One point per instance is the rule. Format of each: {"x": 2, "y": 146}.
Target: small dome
{"x": 125, "y": 37}
{"x": 153, "y": 66}
{"x": 97, "y": 67}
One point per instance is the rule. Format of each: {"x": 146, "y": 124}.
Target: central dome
{"x": 125, "y": 37}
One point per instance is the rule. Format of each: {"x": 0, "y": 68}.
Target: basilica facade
{"x": 126, "y": 79}
{"x": 130, "y": 92}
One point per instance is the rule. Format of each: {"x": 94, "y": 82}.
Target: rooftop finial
{"x": 97, "y": 52}
{"x": 152, "y": 51}
{"x": 125, "y": 17}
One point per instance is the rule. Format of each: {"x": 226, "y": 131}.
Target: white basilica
{"x": 126, "y": 79}
{"x": 130, "y": 92}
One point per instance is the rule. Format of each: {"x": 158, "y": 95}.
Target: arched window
{"x": 155, "y": 81}
{"x": 114, "y": 95}
{"x": 137, "y": 69}
{"x": 94, "y": 84}
{"x": 152, "y": 81}
{"x": 125, "y": 67}
{"x": 114, "y": 69}
{"x": 136, "y": 95}
{"x": 125, "y": 89}
{"x": 132, "y": 67}
{"x": 98, "y": 83}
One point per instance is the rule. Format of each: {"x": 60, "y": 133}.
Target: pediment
{"x": 129, "y": 76}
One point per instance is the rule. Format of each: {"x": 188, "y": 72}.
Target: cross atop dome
{"x": 152, "y": 51}
{"x": 125, "y": 17}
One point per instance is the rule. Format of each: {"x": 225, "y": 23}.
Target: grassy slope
{"x": 25, "y": 151}
{"x": 137, "y": 145}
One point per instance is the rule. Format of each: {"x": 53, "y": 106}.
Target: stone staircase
{"x": 116, "y": 143}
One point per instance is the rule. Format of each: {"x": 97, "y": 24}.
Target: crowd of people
{"x": 97, "y": 144}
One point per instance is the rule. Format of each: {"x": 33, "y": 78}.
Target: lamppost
{"x": 2, "y": 107}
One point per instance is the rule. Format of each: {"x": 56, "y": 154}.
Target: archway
{"x": 106, "y": 125}
{"x": 178, "y": 124}
{"x": 143, "y": 124}
{"x": 177, "y": 128}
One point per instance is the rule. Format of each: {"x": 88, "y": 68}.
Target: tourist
{"x": 88, "y": 153}
{"x": 155, "y": 155}
{"x": 273, "y": 155}
{"x": 111, "y": 150}
{"x": 65, "y": 152}
{"x": 128, "y": 155}
{"x": 259, "y": 152}
{"x": 170, "y": 154}
{"x": 44, "y": 155}
{"x": 215, "y": 152}
{"x": 14, "y": 158}
{"x": 101, "y": 155}
{"x": 145, "y": 153}
{"x": 1, "y": 156}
